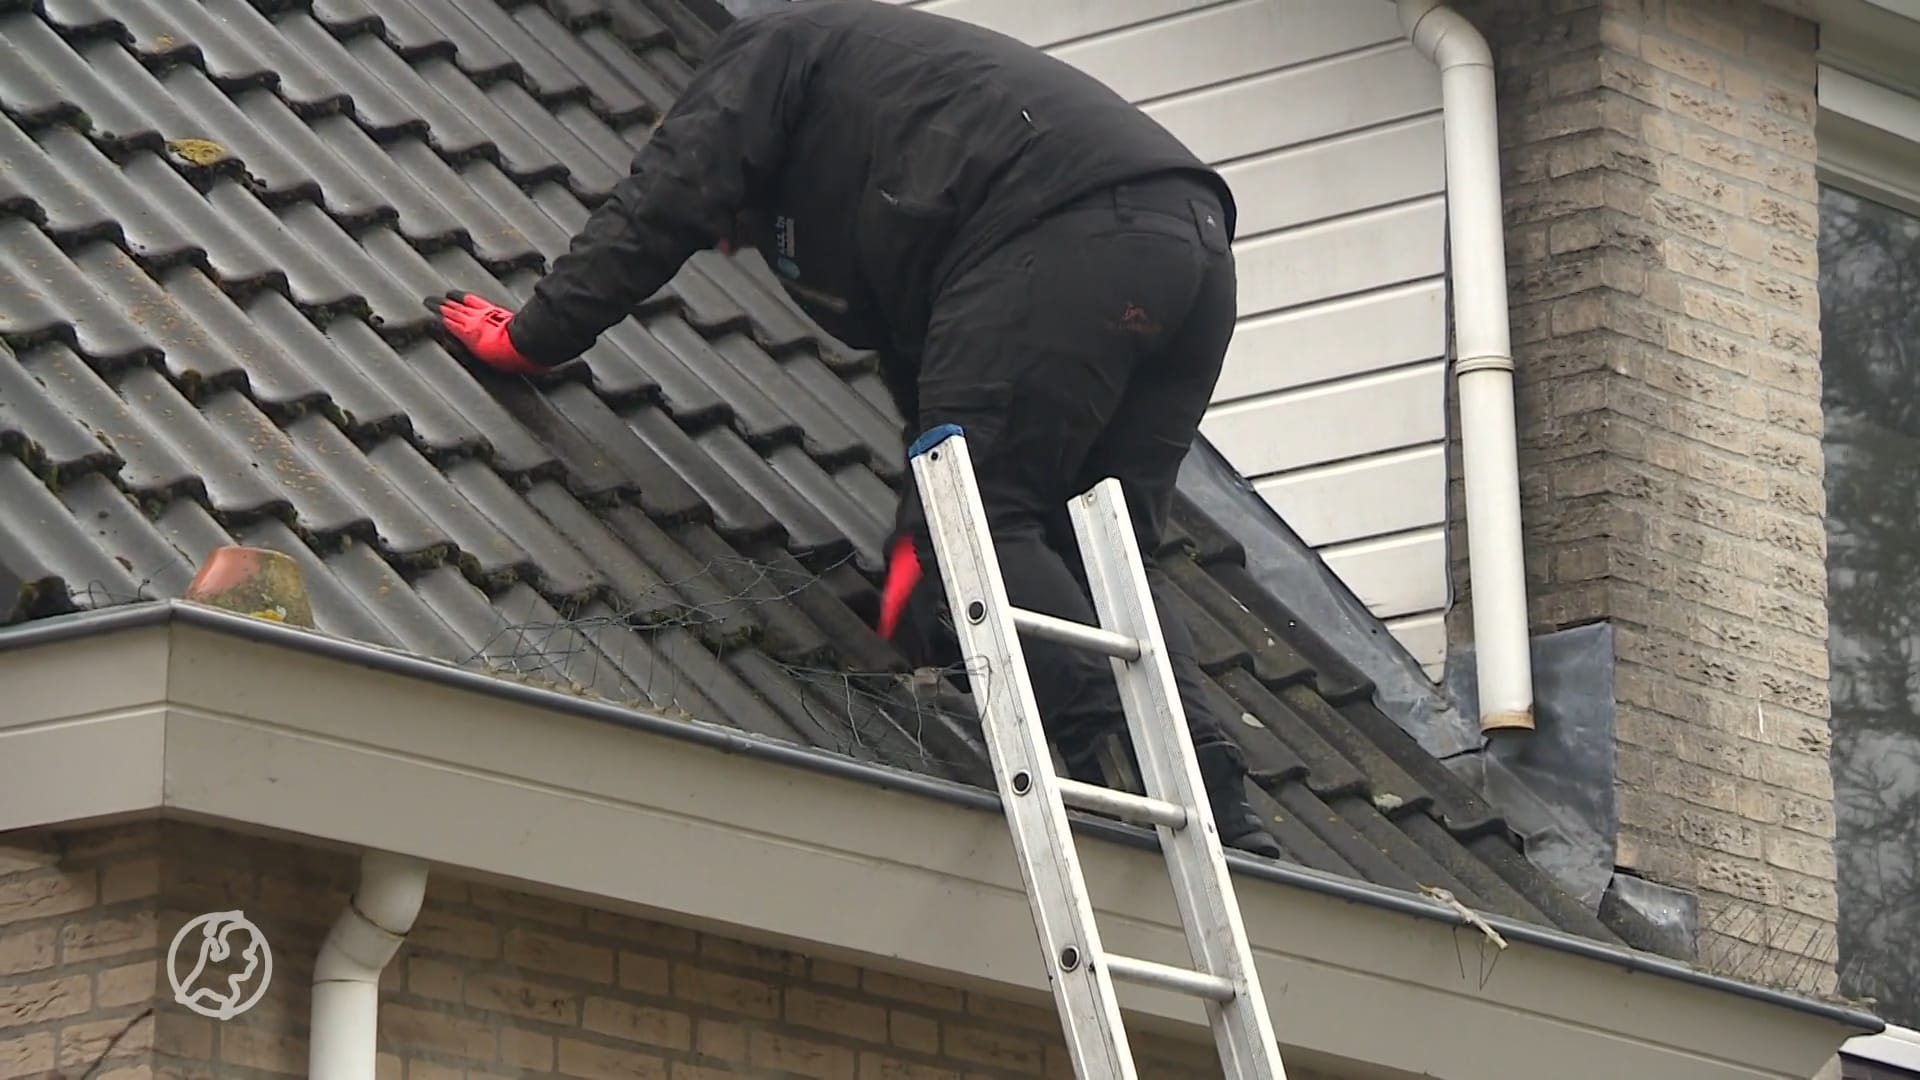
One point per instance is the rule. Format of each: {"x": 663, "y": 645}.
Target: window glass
{"x": 1870, "y": 328}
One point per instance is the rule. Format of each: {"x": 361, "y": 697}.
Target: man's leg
{"x": 1027, "y": 353}
{"x": 1143, "y": 444}
{"x": 1033, "y": 354}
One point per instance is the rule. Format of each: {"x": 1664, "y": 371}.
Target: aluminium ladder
{"x": 1035, "y": 798}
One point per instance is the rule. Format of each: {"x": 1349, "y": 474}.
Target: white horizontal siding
{"x": 1328, "y": 126}
{"x": 1367, "y": 496}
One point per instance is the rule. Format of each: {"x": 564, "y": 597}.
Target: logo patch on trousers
{"x": 1134, "y": 320}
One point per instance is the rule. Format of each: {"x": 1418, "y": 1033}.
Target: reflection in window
{"x": 1870, "y": 325}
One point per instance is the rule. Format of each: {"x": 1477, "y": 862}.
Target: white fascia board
{"x": 1868, "y": 135}
{"x": 1877, "y": 38}
{"x": 260, "y": 727}
{"x": 1896, "y": 1048}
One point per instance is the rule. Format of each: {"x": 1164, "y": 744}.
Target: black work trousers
{"x": 1086, "y": 347}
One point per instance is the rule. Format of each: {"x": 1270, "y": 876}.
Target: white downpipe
{"x": 346, "y": 974}
{"x": 1495, "y": 553}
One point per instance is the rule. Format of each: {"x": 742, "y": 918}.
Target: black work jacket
{"x": 878, "y": 150}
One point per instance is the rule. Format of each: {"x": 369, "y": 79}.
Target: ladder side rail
{"x": 1058, "y": 898}
{"x": 1202, "y": 884}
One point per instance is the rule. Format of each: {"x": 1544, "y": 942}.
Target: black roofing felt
{"x": 221, "y": 219}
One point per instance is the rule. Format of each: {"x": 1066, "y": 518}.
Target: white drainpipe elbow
{"x": 1484, "y": 360}
{"x": 346, "y": 974}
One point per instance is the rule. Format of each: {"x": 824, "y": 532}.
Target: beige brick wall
{"x": 490, "y": 984}
{"x": 79, "y": 954}
{"x": 1660, "y": 192}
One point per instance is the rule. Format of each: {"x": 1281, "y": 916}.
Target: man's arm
{"x": 714, "y": 152}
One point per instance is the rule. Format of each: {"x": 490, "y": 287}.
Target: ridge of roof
{"x": 223, "y": 219}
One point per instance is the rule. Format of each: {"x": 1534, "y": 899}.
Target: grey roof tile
{"x": 150, "y": 232}
{"x": 346, "y": 16}
{"x": 288, "y": 359}
{"x": 635, "y": 466}
{"x": 48, "y": 564}
{"x": 649, "y": 84}
{"x": 337, "y": 609}
{"x": 737, "y": 513}
{"x": 261, "y": 237}
{"x": 66, "y": 209}
{"x": 164, "y": 29}
{"x": 1269, "y": 758}
{"x": 191, "y": 529}
{"x": 1329, "y": 826}
{"x": 784, "y": 630}
{"x": 576, "y": 15}
{"x": 1301, "y": 843}
{"x": 462, "y": 607}
{"x": 450, "y": 129}
{"x": 221, "y": 462}
{"x": 403, "y": 25}
{"x": 827, "y": 437}
{"x": 810, "y": 491}
{"x": 689, "y": 521}
{"x": 192, "y": 354}
{"x": 324, "y": 512}
{"x": 281, "y": 157}
{"x": 612, "y": 95}
{"x": 592, "y": 471}
{"x": 596, "y": 135}
{"x": 306, "y": 79}
{"x": 61, "y": 303}
{"x": 116, "y": 527}
{"x": 148, "y": 465}
{"x": 495, "y": 240}
{"x": 379, "y": 109}
{"x": 549, "y": 78}
{"x": 723, "y": 619}
{"x": 589, "y": 177}
{"x": 558, "y": 569}
{"x": 637, "y": 27}
{"x": 484, "y": 550}
{"x": 483, "y": 422}
{"x": 388, "y": 597}
{"x": 479, "y": 55}
{"x": 42, "y": 81}
{"x": 521, "y": 154}
{"x": 756, "y": 415}
{"x": 368, "y": 287}
{"x": 644, "y": 594}
{"x": 227, "y": 251}
{"x": 420, "y": 217}
{"x": 401, "y": 529}
{"x": 679, "y": 387}
{"x": 83, "y": 17}
{"x": 35, "y": 428}
{"x": 1259, "y": 650}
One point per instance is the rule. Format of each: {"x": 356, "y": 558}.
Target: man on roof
{"x": 1032, "y": 257}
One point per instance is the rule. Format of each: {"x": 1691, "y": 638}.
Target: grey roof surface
{"x": 221, "y": 221}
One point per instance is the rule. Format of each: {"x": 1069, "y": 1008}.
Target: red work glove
{"x": 481, "y": 326}
{"x": 903, "y": 573}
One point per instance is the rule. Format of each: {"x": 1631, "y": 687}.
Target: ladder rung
{"x": 1167, "y": 977}
{"x": 1077, "y": 635}
{"x": 1122, "y": 804}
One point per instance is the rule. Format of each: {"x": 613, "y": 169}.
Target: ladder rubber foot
{"x": 931, "y": 438}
